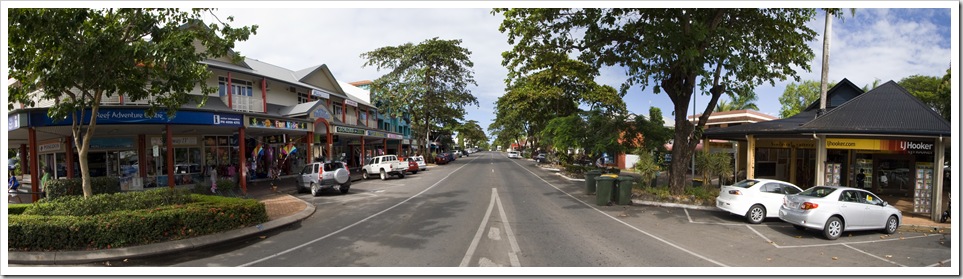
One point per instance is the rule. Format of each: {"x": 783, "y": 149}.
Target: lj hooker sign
{"x": 896, "y": 146}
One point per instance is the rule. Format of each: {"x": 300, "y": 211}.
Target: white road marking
{"x": 478, "y": 234}
{"x": 726, "y": 224}
{"x": 513, "y": 255}
{"x": 874, "y": 256}
{"x": 347, "y": 200}
{"x": 494, "y": 233}
{"x": 626, "y": 224}
{"x": 356, "y": 223}
{"x": 942, "y": 263}
{"x": 485, "y": 262}
{"x": 832, "y": 244}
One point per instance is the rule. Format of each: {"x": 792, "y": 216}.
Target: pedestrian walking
{"x": 213, "y": 172}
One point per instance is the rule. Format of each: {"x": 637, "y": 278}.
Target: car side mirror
{"x": 883, "y": 204}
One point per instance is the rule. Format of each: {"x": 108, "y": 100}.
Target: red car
{"x": 412, "y": 166}
{"x": 441, "y": 159}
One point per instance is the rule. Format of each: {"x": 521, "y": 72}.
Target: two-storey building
{"x": 263, "y": 119}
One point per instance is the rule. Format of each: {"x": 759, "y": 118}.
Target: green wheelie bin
{"x": 625, "y": 183}
{"x": 604, "y": 185}
{"x": 590, "y": 181}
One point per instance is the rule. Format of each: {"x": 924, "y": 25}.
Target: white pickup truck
{"x": 384, "y": 165}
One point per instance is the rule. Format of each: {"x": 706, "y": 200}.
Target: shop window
{"x": 303, "y": 97}
{"x": 243, "y": 91}
{"x": 362, "y": 118}
{"x": 337, "y": 110}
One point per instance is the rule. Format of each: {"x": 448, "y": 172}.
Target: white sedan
{"x": 513, "y": 154}
{"x": 421, "y": 162}
{"x": 755, "y": 198}
{"x": 835, "y": 209}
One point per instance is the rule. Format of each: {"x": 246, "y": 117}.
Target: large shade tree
{"x": 797, "y": 96}
{"x": 680, "y": 51}
{"x": 78, "y": 57}
{"x": 429, "y": 80}
{"x": 931, "y": 91}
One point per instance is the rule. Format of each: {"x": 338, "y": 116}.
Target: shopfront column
{"x": 23, "y": 159}
{"x": 362, "y": 153}
{"x": 309, "y": 141}
{"x": 792, "y": 164}
{"x": 821, "y": 160}
{"x": 170, "y": 156}
{"x": 384, "y": 148}
{"x": 751, "y": 157}
{"x": 937, "y": 190}
{"x": 242, "y": 159}
{"x": 34, "y": 166}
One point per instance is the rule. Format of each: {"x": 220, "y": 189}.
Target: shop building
{"x": 894, "y": 140}
{"x": 395, "y": 123}
{"x": 263, "y": 119}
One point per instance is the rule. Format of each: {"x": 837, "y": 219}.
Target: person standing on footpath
{"x": 213, "y": 172}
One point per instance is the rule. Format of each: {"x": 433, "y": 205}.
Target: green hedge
{"x": 208, "y": 214}
{"x": 74, "y": 186}
{"x": 17, "y": 208}
{"x": 105, "y": 203}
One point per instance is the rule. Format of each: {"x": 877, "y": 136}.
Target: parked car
{"x": 319, "y": 176}
{"x": 441, "y": 159}
{"x": 756, "y": 199}
{"x": 450, "y": 156}
{"x": 513, "y": 155}
{"x": 464, "y": 153}
{"x": 835, "y": 209}
{"x": 541, "y": 158}
{"x": 384, "y": 165}
{"x": 412, "y": 165}
{"x": 422, "y": 165}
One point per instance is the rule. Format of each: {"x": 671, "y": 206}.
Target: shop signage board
{"x": 49, "y": 147}
{"x": 176, "y": 141}
{"x": 349, "y": 130}
{"x": 807, "y": 144}
{"x": 351, "y": 103}
{"x": 139, "y": 116}
{"x": 395, "y": 136}
{"x": 273, "y": 123}
{"x": 894, "y": 146}
{"x": 13, "y": 122}
{"x": 320, "y": 94}
{"x": 111, "y": 143}
{"x": 377, "y": 134}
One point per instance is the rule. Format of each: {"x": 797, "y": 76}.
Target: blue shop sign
{"x": 138, "y": 116}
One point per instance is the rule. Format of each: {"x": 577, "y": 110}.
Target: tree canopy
{"x": 78, "y": 57}
{"x": 429, "y": 80}
{"x": 931, "y": 90}
{"x": 798, "y": 96}
{"x": 679, "y": 51}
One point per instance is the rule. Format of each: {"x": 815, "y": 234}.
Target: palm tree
{"x": 740, "y": 101}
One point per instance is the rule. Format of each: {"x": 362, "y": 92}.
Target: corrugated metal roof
{"x": 887, "y": 109}
{"x": 270, "y": 71}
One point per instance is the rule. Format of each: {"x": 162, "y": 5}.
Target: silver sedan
{"x": 834, "y": 209}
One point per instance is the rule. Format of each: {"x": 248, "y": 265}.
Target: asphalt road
{"x": 487, "y": 210}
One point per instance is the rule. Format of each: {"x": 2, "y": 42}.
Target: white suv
{"x": 319, "y": 176}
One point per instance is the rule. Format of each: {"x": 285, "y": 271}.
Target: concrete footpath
{"x": 282, "y": 209}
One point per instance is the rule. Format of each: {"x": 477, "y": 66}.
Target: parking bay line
{"x": 874, "y": 256}
{"x": 347, "y": 200}
{"x": 833, "y": 244}
{"x": 623, "y": 222}
{"x": 355, "y": 223}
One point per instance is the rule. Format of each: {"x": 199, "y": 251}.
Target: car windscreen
{"x": 745, "y": 183}
{"x": 817, "y": 191}
{"x": 332, "y": 166}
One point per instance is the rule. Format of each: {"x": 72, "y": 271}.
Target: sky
{"x": 875, "y": 43}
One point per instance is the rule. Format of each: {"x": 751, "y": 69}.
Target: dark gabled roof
{"x": 841, "y": 93}
{"x": 887, "y": 109}
{"x": 785, "y": 126}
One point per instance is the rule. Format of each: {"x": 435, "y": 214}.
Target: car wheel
{"x": 384, "y": 176}
{"x": 756, "y": 214}
{"x": 833, "y": 229}
{"x": 891, "y": 225}
{"x": 414, "y": 172}
{"x": 315, "y": 190}
{"x": 364, "y": 175}
{"x": 344, "y": 188}
{"x": 401, "y": 175}
{"x": 799, "y": 228}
